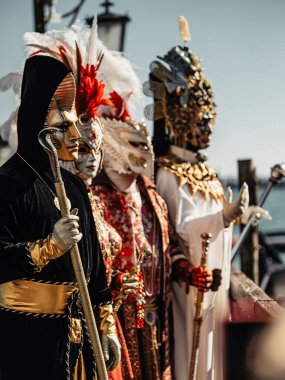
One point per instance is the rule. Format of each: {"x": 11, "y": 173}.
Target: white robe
{"x": 191, "y": 216}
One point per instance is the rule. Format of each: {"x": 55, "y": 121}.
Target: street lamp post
{"x": 39, "y": 15}
{"x": 111, "y": 27}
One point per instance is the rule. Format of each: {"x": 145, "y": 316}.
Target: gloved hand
{"x": 217, "y": 279}
{"x": 259, "y": 213}
{"x": 233, "y": 210}
{"x": 201, "y": 278}
{"x": 66, "y": 231}
{"x": 126, "y": 283}
{"x": 110, "y": 343}
{"x": 183, "y": 270}
{"x": 111, "y": 350}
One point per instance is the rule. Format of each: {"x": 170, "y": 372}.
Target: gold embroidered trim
{"x": 35, "y": 297}
{"x": 76, "y": 330}
{"x": 106, "y": 318}
{"x": 200, "y": 177}
{"x": 44, "y": 250}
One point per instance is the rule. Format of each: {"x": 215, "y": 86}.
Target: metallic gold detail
{"x": 65, "y": 93}
{"x": 76, "y": 330}
{"x": 187, "y": 102}
{"x": 69, "y": 117}
{"x": 137, "y": 161}
{"x": 35, "y": 297}
{"x": 200, "y": 177}
{"x": 44, "y": 250}
{"x": 184, "y": 29}
{"x": 87, "y": 336}
{"x": 106, "y": 319}
{"x": 79, "y": 371}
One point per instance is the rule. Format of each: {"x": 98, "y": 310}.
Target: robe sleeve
{"x": 15, "y": 259}
{"x": 185, "y": 214}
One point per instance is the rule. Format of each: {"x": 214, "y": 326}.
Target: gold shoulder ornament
{"x": 200, "y": 177}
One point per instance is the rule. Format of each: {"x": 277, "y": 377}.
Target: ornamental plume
{"x": 77, "y": 48}
{"x": 119, "y": 110}
{"x": 90, "y": 92}
{"x": 184, "y": 29}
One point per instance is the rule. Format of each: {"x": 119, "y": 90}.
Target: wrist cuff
{"x": 44, "y": 250}
{"x": 107, "y": 323}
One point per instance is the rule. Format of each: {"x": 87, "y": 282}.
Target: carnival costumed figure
{"x": 132, "y": 206}
{"x": 184, "y": 116}
{"x": 86, "y": 167}
{"x": 43, "y": 332}
{"x": 89, "y": 97}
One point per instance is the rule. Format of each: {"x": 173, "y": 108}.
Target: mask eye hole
{"x": 139, "y": 145}
{"x": 84, "y": 119}
{"x": 83, "y": 148}
{"x": 63, "y": 127}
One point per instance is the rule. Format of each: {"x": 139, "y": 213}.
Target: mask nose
{"x": 93, "y": 155}
{"x": 74, "y": 132}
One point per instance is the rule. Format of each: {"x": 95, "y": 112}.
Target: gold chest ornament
{"x": 200, "y": 177}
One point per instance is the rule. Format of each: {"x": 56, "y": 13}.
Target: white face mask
{"x": 90, "y": 148}
{"x": 128, "y": 147}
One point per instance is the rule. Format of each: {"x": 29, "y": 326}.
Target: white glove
{"x": 111, "y": 350}
{"x": 66, "y": 231}
{"x": 233, "y": 210}
{"x": 259, "y": 213}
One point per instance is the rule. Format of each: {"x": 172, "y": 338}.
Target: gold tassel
{"x": 184, "y": 29}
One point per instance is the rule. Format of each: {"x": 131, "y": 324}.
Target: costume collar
{"x": 126, "y": 183}
{"x": 184, "y": 154}
{"x": 199, "y": 177}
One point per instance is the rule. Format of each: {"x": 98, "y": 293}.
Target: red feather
{"x": 90, "y": 92}
{"x": 121, "y": 112}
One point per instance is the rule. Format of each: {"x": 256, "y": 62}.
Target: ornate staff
{"x": 48, "y": 139}
{"x": 198, "y": 319}
{"x": 277, "y": 174}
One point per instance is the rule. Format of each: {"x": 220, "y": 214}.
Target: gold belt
{"x": 35, "y": 297}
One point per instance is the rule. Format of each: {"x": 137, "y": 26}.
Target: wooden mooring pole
{"x": 249, "y": 252}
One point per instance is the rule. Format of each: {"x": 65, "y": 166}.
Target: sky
{"x": 242, "y": 46}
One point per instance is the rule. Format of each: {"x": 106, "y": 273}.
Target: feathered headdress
{"x": 90, "y": 92}
{"x": 76, "y": 48}
{"x": 122, "y": 83}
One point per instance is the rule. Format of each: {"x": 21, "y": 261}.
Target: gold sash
{"x": 35, "y": 297}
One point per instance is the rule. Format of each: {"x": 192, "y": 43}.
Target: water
{"x": 275, "y": 205}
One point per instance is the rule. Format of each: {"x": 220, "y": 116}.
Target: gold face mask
{"x": 62, "y": 115}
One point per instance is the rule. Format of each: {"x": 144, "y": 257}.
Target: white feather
{"x": 33, "y": 38}
{"x": 116, "y": 71}
{"x": 8, "y": 130}
{"x": 52, "y": 40}
{"x": 119, "y": 75}
{"x": 82, "y": 31}
{"x": 92, "y": 43}
{"x": 11, "y": 81}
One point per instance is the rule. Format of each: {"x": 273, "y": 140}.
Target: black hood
{"x": 42, "y": 75}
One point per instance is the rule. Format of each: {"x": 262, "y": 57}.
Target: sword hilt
{"x": 206, "y": 237}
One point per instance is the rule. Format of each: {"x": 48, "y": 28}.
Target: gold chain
{"x": 34, "y": 170}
